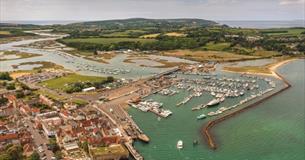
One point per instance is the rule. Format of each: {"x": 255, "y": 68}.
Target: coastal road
{"x": 38, "y": 139}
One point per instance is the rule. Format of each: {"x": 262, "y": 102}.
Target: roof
{"x": 9, "y": 136}
{"x": 11, "y": 97}
{"x": 70, "y": 146}
{"x": 110, "y": 140}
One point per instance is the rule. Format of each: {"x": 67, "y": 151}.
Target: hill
{"x": 145, "y": 23}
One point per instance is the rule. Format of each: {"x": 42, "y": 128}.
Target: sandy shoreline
{"x": 272, "y": 69}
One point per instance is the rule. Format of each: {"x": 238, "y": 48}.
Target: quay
{"x": 133, "y": 151}
{"x": 206, "y": 129}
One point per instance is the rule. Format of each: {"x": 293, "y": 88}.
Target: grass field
{"x": 175, "y": 34}
{"x": 208, "y": 55}
{"x": 107, "y": 40}
{"x": 61, "y": 83}
{"x": 216, "y": 46}
{"x": 235, "y": 30}
{"x": 248, "y": 69}
{"x": 283, "y": 31}
{"x": 263, "y": 53}
{"x": 123, "y": 33}
{"x": 150, "y": 35}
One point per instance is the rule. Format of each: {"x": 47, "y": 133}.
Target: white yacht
{"x": 180, "y": 144}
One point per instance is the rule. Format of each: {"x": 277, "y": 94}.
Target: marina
{"x": 203, "y": 87}
{"x": 190, "y": 132}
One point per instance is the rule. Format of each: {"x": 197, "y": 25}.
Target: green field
{"x": 234, "y": 30}
{"x": 61, "y": 83}
{"x": 283, "y": 31}
{"x": 216, "y": 46}
{"x": 123, "y": 33}
{"x": 106, "y": 40}
{"x": 263, "y": 53}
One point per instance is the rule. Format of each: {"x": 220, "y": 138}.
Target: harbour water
{"x": 274, "y": 130}
{"x": 84, "y": 66}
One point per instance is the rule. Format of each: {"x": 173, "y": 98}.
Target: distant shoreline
{"x": 263, "y": 24}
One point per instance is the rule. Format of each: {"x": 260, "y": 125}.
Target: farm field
{"x": 5, "y": 32}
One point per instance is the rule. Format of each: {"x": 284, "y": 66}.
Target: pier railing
{"x": 206, "y": 131}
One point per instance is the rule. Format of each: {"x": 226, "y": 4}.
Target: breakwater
{"x": 206, "y": 130}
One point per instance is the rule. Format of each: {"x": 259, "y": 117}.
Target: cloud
{"x": 291, "y": 2}
{"x": 118, "y": 9}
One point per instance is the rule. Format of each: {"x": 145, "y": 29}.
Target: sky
{"x": 88, "y": 10}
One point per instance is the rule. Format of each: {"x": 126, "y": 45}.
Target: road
{"x": 38, "y": 139}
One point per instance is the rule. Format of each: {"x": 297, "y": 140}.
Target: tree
{"x": 5, "y": 76}
{"x": 58, "y": 155}
{"x": 3, "y": 100}
{"x": 19, "y": 94}
{"x": 4, "y": 156}
{"x": 34, "y": 156}
{"x": 110, "y": 79}
{"x": 11, "y": 86}
{"x": 15, "y": 152}
{"x": 53, "y": 145}
{"x": 85, "y": 147}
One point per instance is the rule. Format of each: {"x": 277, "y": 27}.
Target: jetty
{"x": 135, "y": 154}
{"x": 206, "y": 131}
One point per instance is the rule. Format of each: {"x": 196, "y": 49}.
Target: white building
{"x": 88, "y": 89}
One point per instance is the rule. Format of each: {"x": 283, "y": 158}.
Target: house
{"x": 45, "y": 100}
{"x": 70, "y": 147}
{"x": 7, "y": 110}
{"x": 8, "y": 137}
{"x": 49, "y": 122}
{"x": 50, "y": 125}
{"x": 70, "y": 106}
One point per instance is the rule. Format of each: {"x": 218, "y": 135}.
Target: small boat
{"x": 159, "y": 118}
{"x": 213, "y": 102}
{"x": 195, "y": 142}
{"x": 180, "y": 144}
{"x": 202, "y": 116}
